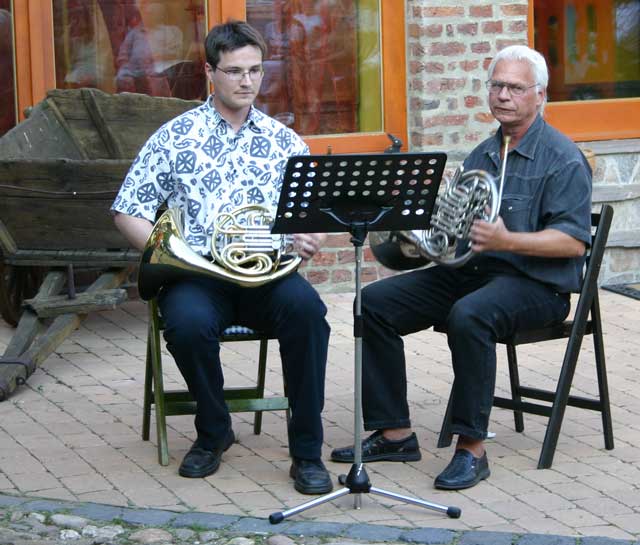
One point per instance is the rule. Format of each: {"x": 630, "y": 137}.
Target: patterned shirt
{"x": 197, "y": 162}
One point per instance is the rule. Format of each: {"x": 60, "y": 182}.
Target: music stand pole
{"x": 357, "y": 221}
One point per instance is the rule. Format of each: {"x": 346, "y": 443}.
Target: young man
{"x": 525, "y": 266}
{"x": 208, "y": 161}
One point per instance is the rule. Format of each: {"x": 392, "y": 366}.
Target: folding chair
{"x": 586, "y": 321}
{"x": 178, "y": 402}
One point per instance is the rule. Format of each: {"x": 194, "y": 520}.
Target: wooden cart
{"x": 60, "y": 170}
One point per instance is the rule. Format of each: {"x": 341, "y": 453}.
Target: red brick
{"x": 469, "y": 66}
{"x": 501, "y": 44}
{"x": 432, "y": 31}
{"x": 317, "y": 276}
{"x": 481, "y": 47}
{"x": 446, "y": 120}
{"x": 486, "y": 62}
{"x": 434, "y": 68}
{"x": 369, "y": 274}
{"x": 472, "y": 101}
{"x": 414, "y": 30}
{"x": 481, "y": 11}
{"x": 342, "y": 275}
{"x": 445, "y": 84}
{"x": 468, "y": 29}
{"x": 339, "y": 240}
{"x": 430, "y": 139}
{"x": 484, "y": 117}
{"x": 472, "y": 137}
{"x": 452, "y": 11}
{"x": 447, "y": 48}
{"x": 324, "y": 258}
{"x": 492, "y": 27}
{"x": 517, "y": 27}
{"x": 346, "y": 256}
{"x": 415, "y": 67}
{"x": 515, "y": 9}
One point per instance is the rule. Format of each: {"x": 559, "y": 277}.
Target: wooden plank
{"x": 7, "y": 244}
{"x": 63, "y": 123}
{"x": 95, "y": 113}
{"x": 79, "y": 258}
{"x": 56, "y": 333}
{"x": 83, "y": 303}
{"x": 624, "y": 239}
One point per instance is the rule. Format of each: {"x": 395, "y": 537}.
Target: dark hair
{"x": 230, "y": 36}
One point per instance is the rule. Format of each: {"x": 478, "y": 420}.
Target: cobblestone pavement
{"x": 42, "y": 522}
{"x": 72, "y": 434}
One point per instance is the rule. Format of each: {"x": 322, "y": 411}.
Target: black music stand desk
{"x": 358, "y": 194}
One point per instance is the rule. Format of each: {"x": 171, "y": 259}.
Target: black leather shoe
{"x": 201, "y": 462}
{"x": 463, "y": 471}
{"x": 311, "y": 477}
{"x": 377, "y": 448}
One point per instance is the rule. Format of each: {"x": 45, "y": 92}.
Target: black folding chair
{"x": 586, "y": 321}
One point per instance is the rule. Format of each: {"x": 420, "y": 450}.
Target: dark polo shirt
{"x": 547, "y": 186}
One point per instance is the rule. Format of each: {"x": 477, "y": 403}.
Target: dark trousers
{"x": 479, "y": 303}
{"x": 196, "y": 311}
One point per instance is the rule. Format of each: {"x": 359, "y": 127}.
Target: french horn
{"x": 243, "y": 251}
{"x": 467, "y": 197}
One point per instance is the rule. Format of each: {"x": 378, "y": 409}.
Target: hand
{"x": 307, "y": 244}
{"x": 487, "y": 236}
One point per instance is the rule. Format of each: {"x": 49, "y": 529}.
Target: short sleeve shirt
{"x": 547, "y": 186}
{"x": 198, "y": 163}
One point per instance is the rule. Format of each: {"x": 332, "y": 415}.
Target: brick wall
{"x": 449, "y": 47}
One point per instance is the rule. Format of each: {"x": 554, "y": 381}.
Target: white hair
{"x": 536, "y": 62}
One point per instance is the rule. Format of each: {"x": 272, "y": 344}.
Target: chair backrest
{"x": 601, "y": 222}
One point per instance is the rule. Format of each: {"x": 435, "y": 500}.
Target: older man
{"x": 524, "y": 267}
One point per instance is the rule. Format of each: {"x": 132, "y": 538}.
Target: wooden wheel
{"x": 16, "y": 285}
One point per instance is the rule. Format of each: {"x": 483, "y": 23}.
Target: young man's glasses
{"x": 235, "y": 74}
{"x": 514, "y": 89}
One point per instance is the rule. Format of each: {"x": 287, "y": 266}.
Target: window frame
{"x": 35, "y": 69}
{"x": 588, "y": 120}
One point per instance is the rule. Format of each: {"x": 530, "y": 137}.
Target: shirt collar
{"x": 526, "y": 147}
{"x": 254, "y": 119}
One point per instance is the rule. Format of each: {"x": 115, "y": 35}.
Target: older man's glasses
{"x": 515, "y": 90}
{"x": 235, "y": 74}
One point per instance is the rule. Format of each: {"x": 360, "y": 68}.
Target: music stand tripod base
{"x": 356, "y": 194}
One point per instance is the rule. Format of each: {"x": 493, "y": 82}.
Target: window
{"x": 592, "y": 49}
{"x": 323, "y": 65}
{"x": 144, "y": 46}
{"x": 7, "y": 85}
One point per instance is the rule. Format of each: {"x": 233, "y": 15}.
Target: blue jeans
{"x": 197, "y": 310}
{"x": 479, "y": 303}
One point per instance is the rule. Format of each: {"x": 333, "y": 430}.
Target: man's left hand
{"x": 307, "y": 244}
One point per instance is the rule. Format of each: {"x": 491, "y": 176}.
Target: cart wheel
{"x": 16, "y": 285}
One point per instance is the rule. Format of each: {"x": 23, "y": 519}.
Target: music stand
{"x": 358, "y": 194}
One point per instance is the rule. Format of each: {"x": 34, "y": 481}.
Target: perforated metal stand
{"x": 357, "y": 481}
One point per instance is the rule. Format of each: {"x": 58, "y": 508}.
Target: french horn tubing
{"x": 468, "y": 196}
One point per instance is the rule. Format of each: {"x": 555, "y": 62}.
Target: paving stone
{"x": 368, "y": 532}
{"x": 96, "y": 511}
{"x": 70, "y": 521}
{"x": 151, "y": 535}
{"x": 149, "y": 517}
{"x": 429, "y": 536}
{"x": 590, "y": 540}
{"x": 486, "y": 538}
{"x": 543, "y": 539}
{"x": 314, "y": 528}
{"x": 203, "y": 520}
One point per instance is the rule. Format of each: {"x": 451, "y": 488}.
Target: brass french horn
{"x": 468, "y": 196}
{"x": 242, "y": 247}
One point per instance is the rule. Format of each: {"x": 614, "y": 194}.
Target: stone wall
{"x": 449, "y": 48}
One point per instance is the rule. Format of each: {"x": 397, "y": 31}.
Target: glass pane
{"x": 323, "y": 66}
{"x": 7, "y": 84}
{"x": 592, "y": 47}
{"x": 141, "y": 46}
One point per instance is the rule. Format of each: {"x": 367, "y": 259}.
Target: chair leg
{"x": 514, "y": 379}
{"x": 601, "y": 370}
{"x": 158, "y": 385}
{"x": 148, "y": 393}
{"x": 561, "y": 397}
{"x": 262, "y": 369}
{"x": 446, "y": 435}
